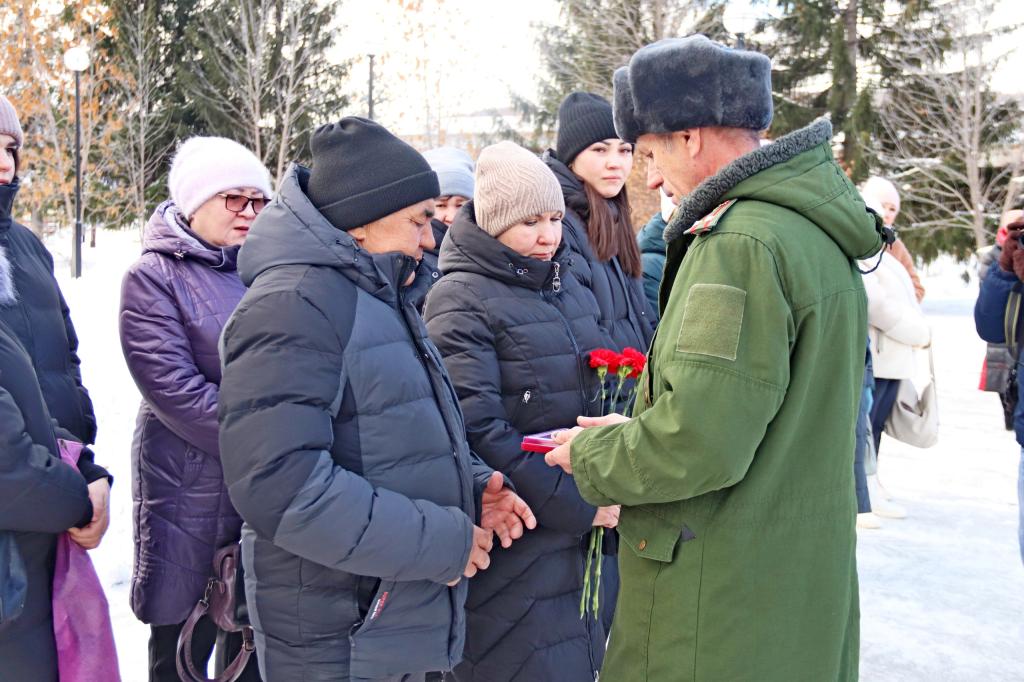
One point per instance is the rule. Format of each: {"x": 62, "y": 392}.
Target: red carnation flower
{"x": 602, "y": 357}
{"x": 635, "y": 360}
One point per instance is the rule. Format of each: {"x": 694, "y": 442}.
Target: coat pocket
{"x": 650, "y": 536}
{"x": 406, "y": 627}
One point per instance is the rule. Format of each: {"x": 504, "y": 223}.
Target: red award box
{"x": 540, "y": 442}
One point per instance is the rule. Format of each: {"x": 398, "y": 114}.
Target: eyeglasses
{"x": 237, "y": 203}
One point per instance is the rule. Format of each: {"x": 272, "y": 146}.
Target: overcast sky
{"x": 490, "y": 49}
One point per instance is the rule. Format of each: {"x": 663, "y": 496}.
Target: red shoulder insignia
{"x": 708, "y": 222}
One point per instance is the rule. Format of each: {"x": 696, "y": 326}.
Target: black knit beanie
{"x": 583, "y": 119}
{"x": 361, "y": 173}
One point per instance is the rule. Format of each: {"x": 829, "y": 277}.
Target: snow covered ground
{"x": 942, "y": 592}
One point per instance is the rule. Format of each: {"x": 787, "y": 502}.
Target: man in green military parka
{"x": 735, "y": 473}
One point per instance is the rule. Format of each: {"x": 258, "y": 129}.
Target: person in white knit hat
{"x": 175, "y": 300}
{"x": 515, "y": 327}
{"x": 223, "y": 184}
{"x": 454, "y": 169}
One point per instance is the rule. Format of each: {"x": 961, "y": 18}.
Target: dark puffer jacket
{"x": 40, "y": 497}
{"x": 344, "y": 451}
{"x": 42, "y": 322}
{"x": 174, "y": 302}
{"x": 514, "y": 332}
{"x": 625, "y": 312}
{"x": 430, "y": 260}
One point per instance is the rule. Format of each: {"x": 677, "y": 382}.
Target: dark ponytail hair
{"x": 610, "y": 227}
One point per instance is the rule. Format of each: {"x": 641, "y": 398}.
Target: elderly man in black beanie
{"x": 342, "y": 441}
{"x": 735, "y": 474}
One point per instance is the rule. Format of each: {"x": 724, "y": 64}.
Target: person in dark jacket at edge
{"x": 651, "y": 241}
{"x": 514, "y": 329}
{"x": 175, "y": 301}
{"x": 342, "y": 441}
{"x": 990, "y": 313}
{"x": 40, "y": 495}
{"x": 592, "y": 165}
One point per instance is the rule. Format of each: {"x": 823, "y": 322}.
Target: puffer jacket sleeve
{"x": 990, "y": 308}
{"x": 710, "y": 412}
{"x": 160, "y": 359}
{"x": 895, "y": 317}
{"x": 87, "y": 465}
{"x": 89, "y": 428}
{"x": 88, "y": 425}
{"x": 283, "y": 382}
{"x": 458, "y": 326}
{"x": 38, "y": 492}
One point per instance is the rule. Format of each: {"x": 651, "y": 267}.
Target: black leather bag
{"x": 224, "y": 604}
{"x": 13, "y": 581}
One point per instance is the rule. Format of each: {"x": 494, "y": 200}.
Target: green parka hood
{"x": 797, "y": 172}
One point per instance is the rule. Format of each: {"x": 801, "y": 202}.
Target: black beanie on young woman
{"x": 583, "y": 119}
{"x": 361, "y": 173}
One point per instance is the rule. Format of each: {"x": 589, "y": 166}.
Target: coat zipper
{"x": 556, "y": 287}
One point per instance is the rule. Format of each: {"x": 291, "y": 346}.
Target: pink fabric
{"x": 81, "y": 616}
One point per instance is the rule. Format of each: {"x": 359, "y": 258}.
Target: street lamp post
{"x": 740, "y": 19}
{"x": 369, "y": 95}
{"x": 76, "y": 59}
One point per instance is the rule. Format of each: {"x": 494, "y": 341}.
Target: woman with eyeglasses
{"x": 174, "y": 302}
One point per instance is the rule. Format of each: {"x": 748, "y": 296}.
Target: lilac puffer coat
{"x": 174, "y": 302}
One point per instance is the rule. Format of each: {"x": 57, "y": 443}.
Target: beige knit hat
{"x": 511, "y": 185}
{"x": 9, "y": 121}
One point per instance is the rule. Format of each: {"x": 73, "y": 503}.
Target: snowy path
{"x": 942, "y": 592}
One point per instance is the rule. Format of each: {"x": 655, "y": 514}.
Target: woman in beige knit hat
{"x": 514, "y": 327}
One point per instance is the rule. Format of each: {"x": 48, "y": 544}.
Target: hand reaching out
{"x": 560, "y": 455}
{"x": 479, "y": 558}
{"x": 504, "y": 512}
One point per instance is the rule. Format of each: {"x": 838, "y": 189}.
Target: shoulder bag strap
{"x": 1010, "y": 319}
{"x": 183, "y": 659}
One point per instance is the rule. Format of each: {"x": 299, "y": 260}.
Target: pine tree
{"x": 827, "y": 55}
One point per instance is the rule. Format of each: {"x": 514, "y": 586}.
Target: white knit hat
{"x": 205, "y": 166}
{"x": 881, "y": 190}
{"x": 511, "y": 185}
{"x": 454, "y": 169}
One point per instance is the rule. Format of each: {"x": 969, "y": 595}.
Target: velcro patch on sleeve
{"x": 712, "y": 321}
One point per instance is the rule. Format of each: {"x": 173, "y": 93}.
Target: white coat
{"x": 896, "y": 326}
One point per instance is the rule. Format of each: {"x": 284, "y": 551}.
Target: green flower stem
{"x": 586, "y": 576}
{"x": 599, "y": 559}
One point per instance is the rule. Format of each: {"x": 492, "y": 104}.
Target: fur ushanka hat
{"x": 691, "y": 82}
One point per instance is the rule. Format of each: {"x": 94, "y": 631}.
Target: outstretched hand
{"x": 560, "y": 456}
{"x": 504, "y": 512}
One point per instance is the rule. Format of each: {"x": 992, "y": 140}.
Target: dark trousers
{"x": 860, "y": 449}
{"x": 886, "y": 391}
{"x": 163, "y": 643}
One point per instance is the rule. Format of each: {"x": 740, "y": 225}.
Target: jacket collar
{"x": 7, "y": 194}
{"x": 468, "y": 248}
{"x": 291, "y": 231}
{"x": 169, "y": 233}
{"x": 711, "y": 191}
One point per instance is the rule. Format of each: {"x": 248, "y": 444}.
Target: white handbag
{"x": 914, "y": 419}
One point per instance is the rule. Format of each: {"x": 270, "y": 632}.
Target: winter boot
{"x": 868, "y": 521}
